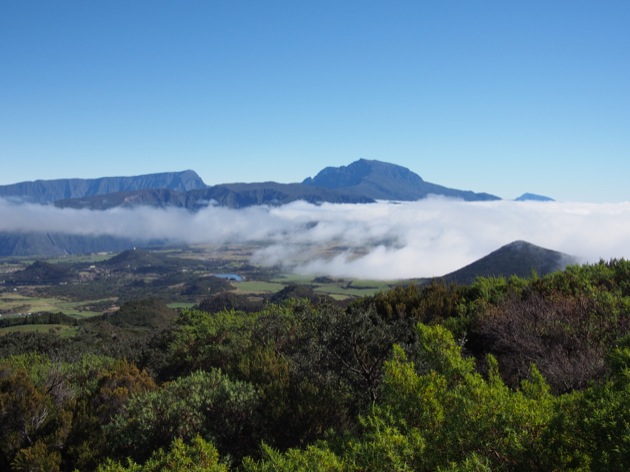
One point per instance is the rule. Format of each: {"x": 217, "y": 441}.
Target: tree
{"x": 35, "y": 404}
{"x": 103, "y": 388}
{"x": 207, "y": 404}
{"x": 198, "y": 456}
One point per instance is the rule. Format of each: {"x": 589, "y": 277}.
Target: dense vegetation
{"x": 503, "y": 374}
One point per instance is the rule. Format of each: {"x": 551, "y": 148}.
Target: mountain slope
{"x": 57, "y": 244}
{"x": 516, "y": 258}
{"x": 46, "y": 191}
{"x": 238, "y": 195}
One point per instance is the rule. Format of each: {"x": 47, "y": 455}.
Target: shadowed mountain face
{"x": 518, "y": 258}
{"x": 46, "y": 191}
{"x": 57, "y": 244}
{"x": 384, "y": 181}
{"x": 363, "y": 181}
{"x": 363, "y": 171}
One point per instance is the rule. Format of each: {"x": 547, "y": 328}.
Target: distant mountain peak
{"x": 385, "y": 181}
{"x": 533, "y": 197}
{"x": 359, "y": 171}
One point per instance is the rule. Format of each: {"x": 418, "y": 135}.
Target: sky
{"x": 491, "y": 96}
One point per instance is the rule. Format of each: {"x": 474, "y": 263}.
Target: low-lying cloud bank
{"x": 383, "y": 240}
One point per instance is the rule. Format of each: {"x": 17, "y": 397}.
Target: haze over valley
{"x": 385, "y": 239}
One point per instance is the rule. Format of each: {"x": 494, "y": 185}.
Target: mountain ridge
{"x": 363, "y": 181}
{"x": 48, "y": 191}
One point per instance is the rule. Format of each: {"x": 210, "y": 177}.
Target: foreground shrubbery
{"x": 517, "y": 374}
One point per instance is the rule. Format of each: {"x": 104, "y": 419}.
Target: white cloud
{"x": 382, "y": 240}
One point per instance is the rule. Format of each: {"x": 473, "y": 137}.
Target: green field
{"x": 253, "y": 287}
{"x": 179, "y": 305}
{"x": 18, "y": 304}
{"x": 181, "y": 284}
{"x": 341, "y": 289}
{"x": 352, "y": 290}
{"x": 61, "y": 330}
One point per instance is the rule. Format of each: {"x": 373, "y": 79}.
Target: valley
{"x": 89, "y": 285}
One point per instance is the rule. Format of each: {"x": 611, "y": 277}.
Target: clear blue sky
{"x": 496, "y": 96}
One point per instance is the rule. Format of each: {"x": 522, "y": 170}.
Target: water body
{"x": 235, "y": 277}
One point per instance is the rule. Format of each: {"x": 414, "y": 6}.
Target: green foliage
{"x": 314, "y": 386}
{"x": 39, "y": 318}
{"x": 314, "y": 458}
{"x": 203, "y": 403}
{"x": 198, "y": 456}
{"x": 444, "y": 417}
{"x": 565, "y": 322}
{"x": 229, "y": 301}
{"x": 150, "y": 313}
{"x": 35, "y": 405}
{"x": 210, "y": 341}
{"x": 300, "y": 399}
{"x": 432, "y": 303}
{"x": 386, "y": 443}
{"x": 37, "y": 457}
{"x": 592, "y": 427}
{"x": 457, "y": 412}
{"x": 102, "y": 388}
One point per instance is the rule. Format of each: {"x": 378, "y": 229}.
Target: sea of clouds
{"x": 382, "y": 240}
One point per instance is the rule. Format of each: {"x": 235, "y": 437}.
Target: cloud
{"x": 383, "y": 240}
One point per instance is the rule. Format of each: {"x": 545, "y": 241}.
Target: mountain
{"x": 46, "y": 191}
{"x": 238, "y": 195}
{"x": 533, "y": 197}
{"x": 363, "y": 181}
{"x": 57, "y": 244}
{"x": 384, "y": 181}
{"x": 518, "y": 258}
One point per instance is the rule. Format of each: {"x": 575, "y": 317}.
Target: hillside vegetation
{"x": 502, "y": 374}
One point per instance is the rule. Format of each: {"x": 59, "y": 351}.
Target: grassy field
{"x": 253, "y": 287}
{"x": 14, "y": 303}
{"x": 352, "y": 289}
{"x": 337, "y": 288}
{"x": 77, "y": 259}
{"x": 177, "y": 306}
{"x": 101, "y": 288}
{"x": 61, "y": 330}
